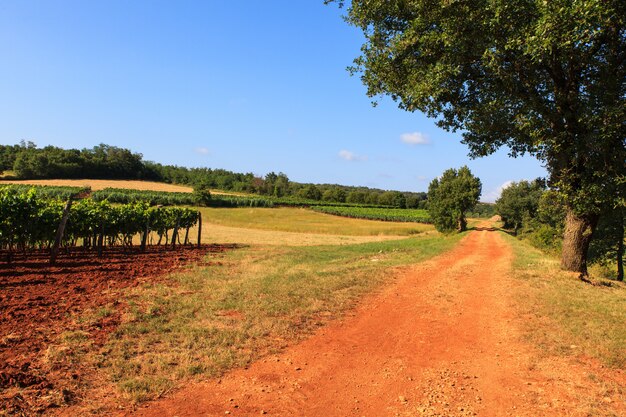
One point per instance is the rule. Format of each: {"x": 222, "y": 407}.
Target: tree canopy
{"x": 545, "y": 78}
{"x": 451, "y": 196}
{"x": 518, "y": 202}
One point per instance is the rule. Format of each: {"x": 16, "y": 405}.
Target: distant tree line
{"x": 27, "y": 161}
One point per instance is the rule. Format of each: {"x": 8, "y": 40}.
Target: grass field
{"x": 306, "y": 221}
{"x": 261, "y": 298}
{"x": 567, "y": 316}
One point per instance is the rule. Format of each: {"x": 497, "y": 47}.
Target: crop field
{"x": 306, "y": 221}
{"x": 96, "y": 185}
{"x": 306, "y": 263}
{"x": 374, "y": 213}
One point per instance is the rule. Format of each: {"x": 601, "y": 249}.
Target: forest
{"x": 26, "y": 161}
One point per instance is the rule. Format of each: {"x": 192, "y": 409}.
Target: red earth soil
{"x": 442, "y": 340}
{"x": 39, "y": 302}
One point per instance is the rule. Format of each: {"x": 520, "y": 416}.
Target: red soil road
{"x": 442, "y": 340}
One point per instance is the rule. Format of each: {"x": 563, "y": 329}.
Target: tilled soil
{"x": 443, "y": 340}
{"x": 39, "y": 302}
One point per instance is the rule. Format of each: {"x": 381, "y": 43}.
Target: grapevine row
{"x": 29, "y": 221}
{"x": 384, "y": 214}
{"x": 166, "y": 198}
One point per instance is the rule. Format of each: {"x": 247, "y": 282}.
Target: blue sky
{"x": 247, "y": 86}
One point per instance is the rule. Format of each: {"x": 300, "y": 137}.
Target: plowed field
{"x": 39, "y": 305}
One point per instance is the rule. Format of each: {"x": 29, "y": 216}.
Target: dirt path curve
{"x": 440, "y": 341}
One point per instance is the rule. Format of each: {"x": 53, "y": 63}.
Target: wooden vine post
{"x": 144, "y": 238}
{"x": 175, "y": 233}
{"x": 54, "y": 252}
{"x": 101, "y": 240}
{"x": 199, "y": 228}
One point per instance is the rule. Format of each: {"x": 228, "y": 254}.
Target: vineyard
{"x": 124, "y": 196}
{"x": 48, "y": 191}
{"x": 31, "y": 221}
{"x": 371, "y": 213}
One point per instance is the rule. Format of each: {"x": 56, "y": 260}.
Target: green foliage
{"x": 607, "y": 247}
{"x": 104, "y": 161}
{"x": 539, "y": 77}
{"x": 370, "y": 213}
{"x": 336, "y": 194}
{"x": 204, "y": 197}
{"x": 451, "y": 196}
{"x": 29, "y": 221}
{"x": 519, "y": 201}
{"x": 48, "y": 191}
{"x": 202, "y": 194}
{"x": 482, "y": 210}
{"x": 310, "y": 192}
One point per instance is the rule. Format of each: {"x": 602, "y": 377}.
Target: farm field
{"x": 307, "y": 221}
{"x": 286, "y": 297}
{"x": 102, "y": 184}
{"x": 81, "y": 303}
{"x": 96, "y": 185}
{"x": 384, "y": 214}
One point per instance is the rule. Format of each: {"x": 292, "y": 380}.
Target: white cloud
{"x": 415, "y": 138}
{"x": 202, "y": 151}
{"x": 421, "y": 178}
{"x": 351, "y": 156}
{"x": 493, "y": 195}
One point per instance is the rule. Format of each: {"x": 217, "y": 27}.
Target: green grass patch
{"x": 260, "y": 299}
{"x": 568, "y": 316}
{"x": 306, "y": 221}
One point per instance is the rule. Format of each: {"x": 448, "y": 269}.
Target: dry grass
{"x": 214, "y": 233}
{"x": 255, "y": 301}
{"x": 567, "y": 316}
{"x": 299, "y": 220}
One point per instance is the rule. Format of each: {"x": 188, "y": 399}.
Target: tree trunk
{"x": 462, "y": 223}
{"x": 578, "y": 232}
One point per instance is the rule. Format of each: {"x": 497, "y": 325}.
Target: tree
{"x": 451, "y": 196}
{"x": 519, "y": 202}
{"x": 608, "y": 246}
{"x": 545, "y": 78}
{"x": 335, "y": 194}
{"x": 310, "y": 192}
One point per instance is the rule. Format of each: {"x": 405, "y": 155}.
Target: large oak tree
{"x": 541, "y": 77}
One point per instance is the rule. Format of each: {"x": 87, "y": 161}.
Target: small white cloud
{"x": 421, "y": 178}
{"x": 415, "y": 138}
{"x": 202, "y": 151}
{"x": 351, "y": 156}
{"x": 493, "y": 195}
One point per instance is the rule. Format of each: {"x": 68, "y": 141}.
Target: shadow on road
{"x": 492, "y": 229}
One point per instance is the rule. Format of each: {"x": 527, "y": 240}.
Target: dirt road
{"x": 442, "y": 340}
